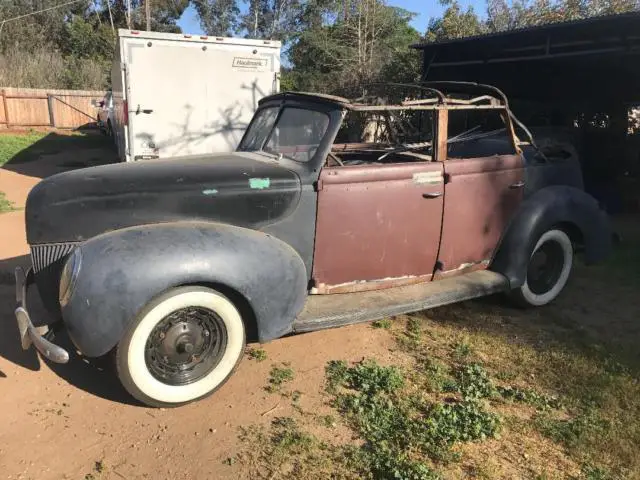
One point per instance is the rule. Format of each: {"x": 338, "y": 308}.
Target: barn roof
{"x": 595, "y": 59}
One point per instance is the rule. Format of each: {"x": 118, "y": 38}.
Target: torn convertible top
{"x": 428, "y": 96}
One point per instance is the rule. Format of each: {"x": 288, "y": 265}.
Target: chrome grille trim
{"x": 45, "y": 254}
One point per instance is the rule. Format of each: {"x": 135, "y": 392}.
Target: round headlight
{"x": 69, "y": 276}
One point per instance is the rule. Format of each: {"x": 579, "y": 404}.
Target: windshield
{"x": 294, "y": 133}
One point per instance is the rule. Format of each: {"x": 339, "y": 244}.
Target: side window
{"x": 399, "y": 127}
{"x": 478, "y": 133}
{"x": 383, "y": 137}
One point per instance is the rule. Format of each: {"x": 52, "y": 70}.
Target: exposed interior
{"x": 383, "y": 136}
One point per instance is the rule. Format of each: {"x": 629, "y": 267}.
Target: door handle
{"x": 517, "y": 185}
{"x": 432, "y": 195}
{"x": 143, "y": 110}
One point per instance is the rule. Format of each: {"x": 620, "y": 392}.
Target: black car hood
{"x": 244, "y": 189}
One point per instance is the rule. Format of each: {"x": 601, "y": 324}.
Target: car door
{"x": 484, "y": 189}
{"x": 377, "y": 225}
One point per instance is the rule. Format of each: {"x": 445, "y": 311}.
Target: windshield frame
{"x": 334, "y": 114}
{"x": 253, "y": 122}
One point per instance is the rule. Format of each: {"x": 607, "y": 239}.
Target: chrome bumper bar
{"x": 29, "y": 334}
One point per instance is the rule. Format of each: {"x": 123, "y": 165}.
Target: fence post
{"x": 52, "y": 117}
{"x": 6, "y": 110}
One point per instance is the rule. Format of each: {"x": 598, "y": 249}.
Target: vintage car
{"x": 105, "y": 114}
{"x": 330, "y": 212}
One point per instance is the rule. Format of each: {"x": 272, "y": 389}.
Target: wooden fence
{"x": 30, "y": 107}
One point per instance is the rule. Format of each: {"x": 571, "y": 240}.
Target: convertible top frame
{"x": 440, "y": 96}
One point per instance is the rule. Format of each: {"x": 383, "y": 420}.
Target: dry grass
{"x": 47, "y": 68}
{"x": 580, "y": 352}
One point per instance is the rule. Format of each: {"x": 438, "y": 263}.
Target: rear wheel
{"x": 548, "y": 270}
{"x": 182, "y": 347}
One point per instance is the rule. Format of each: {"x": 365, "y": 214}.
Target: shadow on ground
{"x": 95, "y": 376}
{"x": 58, "y": 152}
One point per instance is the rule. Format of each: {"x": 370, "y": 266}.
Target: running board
{"x": 338, "y": 309}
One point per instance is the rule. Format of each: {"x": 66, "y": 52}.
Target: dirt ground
{"x": 57, "y": 421}
{"x": 75, "y": 421}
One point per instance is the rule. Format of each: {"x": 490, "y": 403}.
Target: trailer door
{"x": 194, "y": 98}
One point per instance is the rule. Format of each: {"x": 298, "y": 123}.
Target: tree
{"x": 367, "y": 44}
{"x": 454, "y": 23}
{"x": 525, "y": 13}
{"x": 503, "y": 15}
{"x": 71, "y": 46}
{"x": 33, "y": 31}
{"x": 164, "y": 14}
{"x": 218, "y": 17}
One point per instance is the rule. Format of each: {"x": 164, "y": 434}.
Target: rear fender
{"x": 123, "y": 270}
{"x": 545, "y": 209}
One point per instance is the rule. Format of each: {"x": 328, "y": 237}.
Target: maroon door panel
{"x": 481, "y": 196}
{"x": 377, "y": 226}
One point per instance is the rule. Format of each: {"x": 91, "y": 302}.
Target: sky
{"x": 425, "y": 9}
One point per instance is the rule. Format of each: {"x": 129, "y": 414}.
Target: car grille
{"x": 45, "y": 254}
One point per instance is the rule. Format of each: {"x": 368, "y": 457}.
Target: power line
{"x": 38, "y": 11}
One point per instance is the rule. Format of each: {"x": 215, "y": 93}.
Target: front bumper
{"x": 29, "y": 334}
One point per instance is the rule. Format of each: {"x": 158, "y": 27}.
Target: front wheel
{"x": 181, "y": 347}
{"x": 548, "y": 270}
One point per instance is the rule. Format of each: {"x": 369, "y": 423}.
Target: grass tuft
{"x": 574, "y": 431}
{"x": 5, "y": 204}
{"x": 257, "y": 354}
{"x": 384, "y": 323}
{"x": 278, "y": 376}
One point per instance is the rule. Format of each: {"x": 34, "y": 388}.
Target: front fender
{"x": 546, "y": 208}
{"x": 121, "y": 271}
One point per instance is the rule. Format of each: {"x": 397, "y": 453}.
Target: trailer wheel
{"x": 182, "y": 347}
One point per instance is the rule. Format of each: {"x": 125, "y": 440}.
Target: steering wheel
{"x": 334, "y": 157}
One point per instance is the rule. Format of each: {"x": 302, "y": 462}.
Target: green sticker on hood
{"x": 259, "y": 183}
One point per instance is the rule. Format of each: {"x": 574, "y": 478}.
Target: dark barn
{"x": 576, "y": 80}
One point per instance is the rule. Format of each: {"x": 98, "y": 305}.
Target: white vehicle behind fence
{"x": 177, "y": 94}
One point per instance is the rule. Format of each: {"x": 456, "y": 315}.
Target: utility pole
{"x": 113, "y": 30}
{"x": 129, "y": 14}
{"x": 255, "y": 24}
{"x": 147, "y": 8}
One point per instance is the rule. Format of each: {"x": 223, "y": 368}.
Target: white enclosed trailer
{"x": 177, "y": 94}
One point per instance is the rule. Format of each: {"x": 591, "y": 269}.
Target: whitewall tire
{"x": 548, "y": 271}
{"x": 181, "y": 347}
